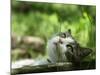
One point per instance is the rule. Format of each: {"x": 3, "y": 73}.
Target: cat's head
{"x": 66, "y": 41}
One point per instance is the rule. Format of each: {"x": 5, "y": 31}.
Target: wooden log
{"x": 65, "y": 66}
{"x": 43, "y": 68}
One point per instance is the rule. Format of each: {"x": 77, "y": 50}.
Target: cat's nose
{"x": 60, "y": 41}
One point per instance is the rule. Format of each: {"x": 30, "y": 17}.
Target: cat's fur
{"x": 61, "y": 47}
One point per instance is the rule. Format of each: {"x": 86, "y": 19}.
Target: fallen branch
{"x": 43, "y": 68}
{"x": 86, "y": 65}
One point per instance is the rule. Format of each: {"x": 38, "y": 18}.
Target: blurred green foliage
{"x": 46, "y": 19}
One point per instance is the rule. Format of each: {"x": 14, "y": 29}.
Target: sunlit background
{"x": 39, "y": 21}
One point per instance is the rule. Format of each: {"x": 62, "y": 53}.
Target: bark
{"x": 43, "y": 68}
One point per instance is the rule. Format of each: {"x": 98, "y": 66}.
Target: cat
{"x": 62, "y": 47}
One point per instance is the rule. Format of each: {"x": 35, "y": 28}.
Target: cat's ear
{"x": 85, "y": 52}
{"x": 69, "y": 30}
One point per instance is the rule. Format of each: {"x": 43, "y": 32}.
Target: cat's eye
{"x": 63, "y": 35}
{"x": 69, "y": 47}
